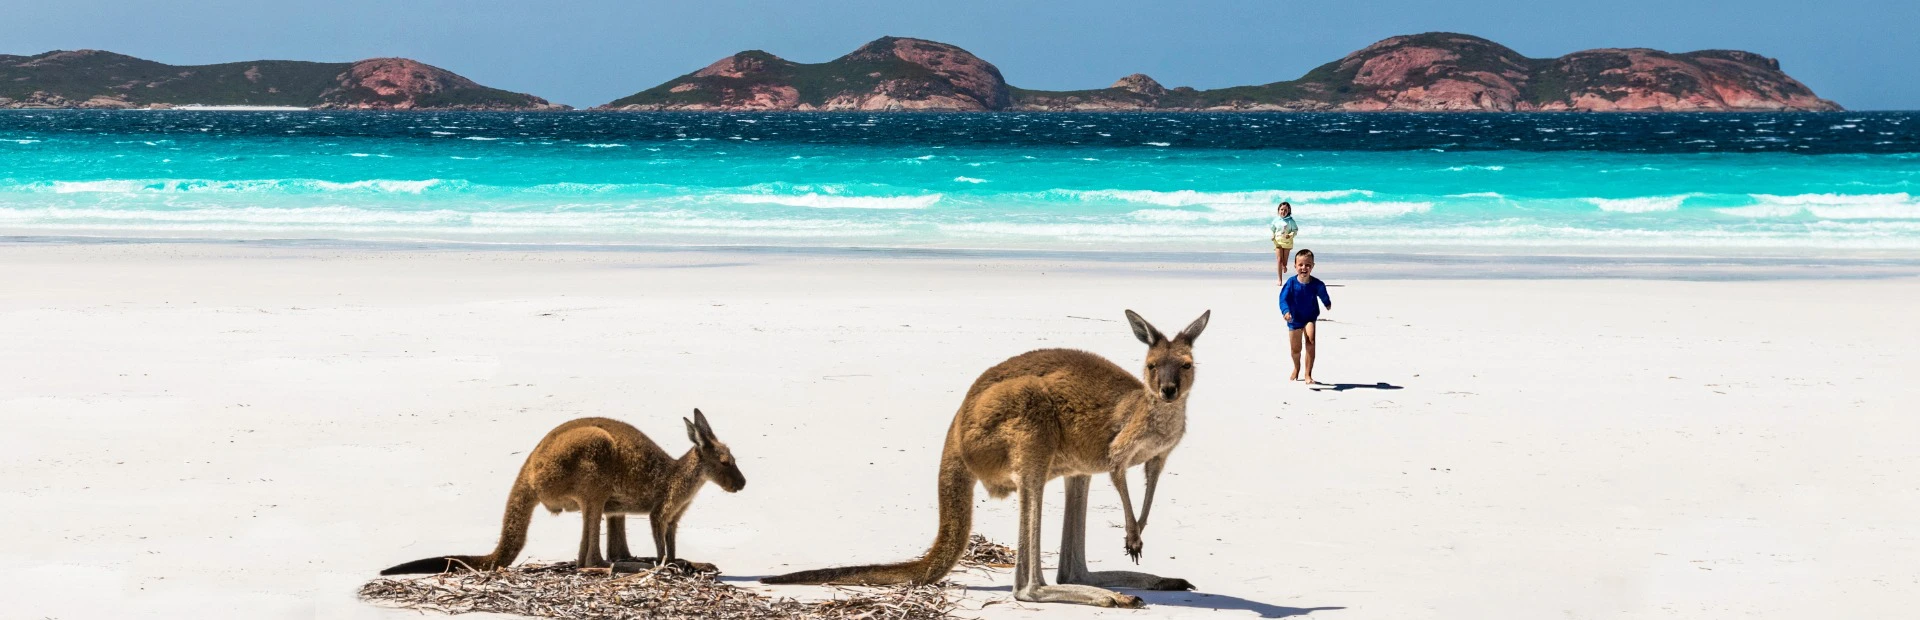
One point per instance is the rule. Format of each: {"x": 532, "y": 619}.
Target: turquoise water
{"x": 1837, "y": 184}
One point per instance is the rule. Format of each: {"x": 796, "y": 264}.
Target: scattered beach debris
{"x": 559, "y": 591}
{"x": 983, "y": 553}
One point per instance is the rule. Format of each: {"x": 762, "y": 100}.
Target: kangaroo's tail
{"x": 513, "y": 536}
{"x": 956, "y": 523}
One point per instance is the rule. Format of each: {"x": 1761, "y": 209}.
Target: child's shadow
{"x": 1342, "y": 387}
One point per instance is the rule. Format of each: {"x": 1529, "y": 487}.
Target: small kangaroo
{"x": 602, "y": 467}
{"x": 1042, "y": 415}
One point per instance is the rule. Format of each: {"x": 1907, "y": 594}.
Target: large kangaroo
{"x": 1043, "y": 415}
{"x": 608, "y": 468}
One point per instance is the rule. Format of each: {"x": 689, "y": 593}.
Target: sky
{"x": 1862, "y": 53}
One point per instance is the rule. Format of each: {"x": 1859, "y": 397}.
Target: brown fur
{"x": 603, "y": 468}
{"x": 1042, "y": 415}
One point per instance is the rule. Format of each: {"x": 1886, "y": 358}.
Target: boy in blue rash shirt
{"x": 1298, "y": 305}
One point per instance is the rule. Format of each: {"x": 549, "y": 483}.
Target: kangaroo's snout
{"x": 1168, "y": 391}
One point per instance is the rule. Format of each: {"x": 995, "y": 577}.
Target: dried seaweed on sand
{"x": 983, "y": 553}
{"x": 559, "y": 591}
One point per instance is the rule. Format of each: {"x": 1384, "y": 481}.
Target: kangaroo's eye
{"x": 1186, "y": 366}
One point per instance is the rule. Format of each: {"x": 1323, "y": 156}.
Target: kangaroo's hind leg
{"x": 617, "y": 539}
{"x": 1073, "y": 551}
{"x": 1029, "y": 584}
{"x": 591, "y": 511}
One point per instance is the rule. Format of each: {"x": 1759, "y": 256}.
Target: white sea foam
{"x": 1466, "y": 168}
{"x": 569, "y": 188}
{"x": 969, "y": 180}
{"x": 1762, "y": 211}
{"x": 1187, "y": 197}
{"x": 1644, "y": 204}
{"x": 356, "y": 221}
{"x": 1862, "y": 212}
{"x": 1899, "y": 205}
{"x": 379, "y": 185}
{"x": 1339, "y": 211}
{"x": 1095, "y": 232}
{"x": 114, "y": 187}
{"x": 483, "y": 139}
{"x": 608, "y": 145}
{"x": 20, "y": 141}
{"x": 1496, "y": 195}
{"x": 1177, "y": 215}
{"x": 831, "y": 201}
{"x": 283, "y": 217}
{"x": 1158, "y": 143}
{"x": 1363, "y": 210}
{"x": 1836, "y": 199}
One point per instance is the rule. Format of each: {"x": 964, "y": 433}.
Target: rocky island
{"x": 105, "y": 80}
{"x": 1432, "y": 72}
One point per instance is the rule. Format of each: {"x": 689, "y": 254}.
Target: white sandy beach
{"x": 223, "y": 431}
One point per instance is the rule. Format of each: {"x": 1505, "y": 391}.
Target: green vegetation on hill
{"x": 1429, "y": 71}
{"x": 814, "y": 84}
{"x": 75, "y": 78}
{"x": 80, "y": 76}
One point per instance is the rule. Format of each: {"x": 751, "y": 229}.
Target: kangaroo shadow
{"x": 1342, "y": 387}
{"x": 1198, "y": 600}
{"x": 1220, "y": 602}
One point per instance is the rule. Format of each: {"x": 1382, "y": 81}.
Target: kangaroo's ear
{"x": 693, "y": 434}
{"x": 1193, "y": 330}
{"x": 1144, "y": 330}
{"x": 700, "y": 422}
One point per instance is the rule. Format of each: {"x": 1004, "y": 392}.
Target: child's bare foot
{"x": 1310, "y": 380}
{"x": 1294, "y": 377}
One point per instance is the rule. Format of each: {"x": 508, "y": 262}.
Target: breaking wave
{"x": 1649, "y": 204}
{"x": 1187, "y": 197}
{"x": 831, "y": 201}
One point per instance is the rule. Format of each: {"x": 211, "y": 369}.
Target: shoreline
{"x": 1362, "y": 264}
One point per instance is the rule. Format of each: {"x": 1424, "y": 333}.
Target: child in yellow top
{"x": 1283, "y": 230}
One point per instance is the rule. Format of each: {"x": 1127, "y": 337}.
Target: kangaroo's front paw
{"x": 1170, "y": 583}
{"x": 1125, "y": 601}
{"x": 1134, "y": 544}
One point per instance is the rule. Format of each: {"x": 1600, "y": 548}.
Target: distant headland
{"x": 1431, "y": 72}
{"x": 104, "y": 80}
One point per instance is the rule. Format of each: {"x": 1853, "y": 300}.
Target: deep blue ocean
{"x": 1837, "y": 184}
